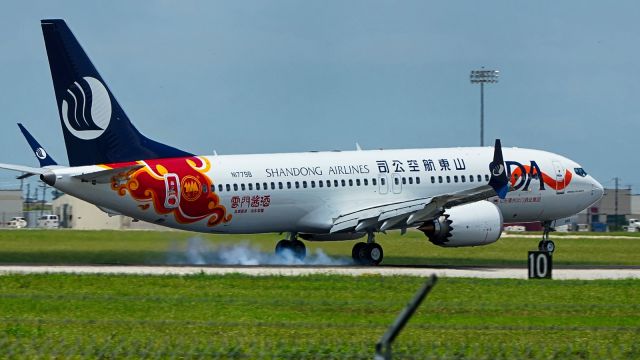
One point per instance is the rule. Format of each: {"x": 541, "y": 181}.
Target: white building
{"x": 79, "y": 214}
{"x": 10, "y": 205}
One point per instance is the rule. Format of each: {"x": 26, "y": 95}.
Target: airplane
{"x": 455, "y": 196}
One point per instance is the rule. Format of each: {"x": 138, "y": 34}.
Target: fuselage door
{"x": 559, "y": 177}
{"x": 383, "y": 184}
{"x": 172, "y": 188}
{"x": 396, "y": 183}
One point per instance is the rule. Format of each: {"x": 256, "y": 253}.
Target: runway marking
{"x": 486, "y": 273}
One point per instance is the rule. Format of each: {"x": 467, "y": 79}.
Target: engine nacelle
{"x": 473, "y": 224}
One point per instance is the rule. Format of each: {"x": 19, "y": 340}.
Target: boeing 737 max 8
{"x": 456, "y": 196}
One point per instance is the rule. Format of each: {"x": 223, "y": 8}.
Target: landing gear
{"x": 291, "y": 246}
{"x": 545, "y": 244}
{"x": 369, "y": 253}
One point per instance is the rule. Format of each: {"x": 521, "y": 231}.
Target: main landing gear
{"x": 291, "y": 246}
{"x": 545, "y": 244}
{"x": 369, "y": 253}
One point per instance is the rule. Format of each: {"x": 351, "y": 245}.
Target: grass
{"x": 149, "y": 247}
{"x": 235, "y": 316}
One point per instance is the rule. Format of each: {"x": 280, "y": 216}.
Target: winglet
{"x": 498, "y": 181}
{"x": 42, "y": 156}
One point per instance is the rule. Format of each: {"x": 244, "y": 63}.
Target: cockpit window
{"x": 580, "y": 171}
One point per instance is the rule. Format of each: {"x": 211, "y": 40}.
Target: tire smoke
{"x": 201, "y": 252}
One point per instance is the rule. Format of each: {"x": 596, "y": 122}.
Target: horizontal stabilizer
{"x": 25, "y": 169}
{"x": 105, "y": 176}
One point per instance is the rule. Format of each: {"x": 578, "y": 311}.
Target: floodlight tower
{"x": 483, "y": 77}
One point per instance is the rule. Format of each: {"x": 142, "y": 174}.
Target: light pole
{"x": 481, "y": 77}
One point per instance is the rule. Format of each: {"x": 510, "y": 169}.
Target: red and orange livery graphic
{"x": 179, "y": 186}
{"x": 521, "y": 171}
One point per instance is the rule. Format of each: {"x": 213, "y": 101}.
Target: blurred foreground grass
{"x": 235, "y": 316}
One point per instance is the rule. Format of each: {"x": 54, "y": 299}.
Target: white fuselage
{"x": 305, "y": 192}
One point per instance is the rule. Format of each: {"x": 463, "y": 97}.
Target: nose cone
{"x": 597, "y": 189}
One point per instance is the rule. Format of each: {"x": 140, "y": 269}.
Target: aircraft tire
{"x": 374, "y": 253}
{"x": 367, "y": 253}
{"x": 547, "y": 245}
{"x": 299, "y": 249}
{"x": 550, "y": 246}
{"x": 356, "y": 252}
{"x": 282, "y": 245}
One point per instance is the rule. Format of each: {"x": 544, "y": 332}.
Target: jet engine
{"x": 473, "y": 224}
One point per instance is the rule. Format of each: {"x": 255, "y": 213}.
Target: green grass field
{"x": 234, "y": 316}
{"x": 150, "y": 247}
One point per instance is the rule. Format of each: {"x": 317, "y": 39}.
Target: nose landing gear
{"x": 369, "y": 253}
{"x": 545, "y": 244}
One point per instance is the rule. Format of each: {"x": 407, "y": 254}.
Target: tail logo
{"x": 86, "y": 109}
{"x": 40, "y": 153}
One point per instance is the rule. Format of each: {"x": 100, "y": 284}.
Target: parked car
{"x": 48, "y": 222}
{"x": 17, "y": 222}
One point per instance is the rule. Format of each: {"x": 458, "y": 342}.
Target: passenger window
{"x": 350, "y": 182}
{"x": 228, "y": 187}
{"x": 313, "y": 184}
{"x": 328, "y": 183}
{"x": 205, "y": 188}
{"x": 479, "y": 178}
{"x": 417, "y": 180}
{"x": 410, "y": 181}
{"x": 396, "y": 181}
{"x": 343, "y": 183}
{"x": 297, "y": 185}
{"x": 264, "y": 186}
{"x": 258, "y": 186}
{"x": 382, "y": 181}
{"x": 279, "y": 185}
{"x": 455, "y": 178}
{"x": 486, "y": 177}
{"x": 440, "y": 179}
{"x": 463, "y": 178}
{"x": 235, "y": 187}
{"x": 288, "y": 184}
{"x": 242, "y": 187}
{"x": 433, "y": 179}
{"x": 250, "y": 186}
{"x": 404, "y": 181}
{"x": 373, "y": 181}
{"x": 335, "y": 183}
{"x": 220, "y": 187}
{"x": 304, "y": 184}
{"x": 366, "y": 182}
{"x": 448, "y": 178}
{"x": 470, "y": 178}
{"x": 320, "y": 183}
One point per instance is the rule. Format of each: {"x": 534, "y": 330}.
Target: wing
{"x": 406, "y": 213}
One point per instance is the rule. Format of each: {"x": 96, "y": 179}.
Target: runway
{"x": 457, "y": 272}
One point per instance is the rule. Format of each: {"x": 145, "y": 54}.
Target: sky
{"x": 288, "y": 76}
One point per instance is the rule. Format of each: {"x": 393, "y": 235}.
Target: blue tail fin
{"x": 43, "y": 157}
{"x": 96, "y": 129}
{"x": 499, "y": 181}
